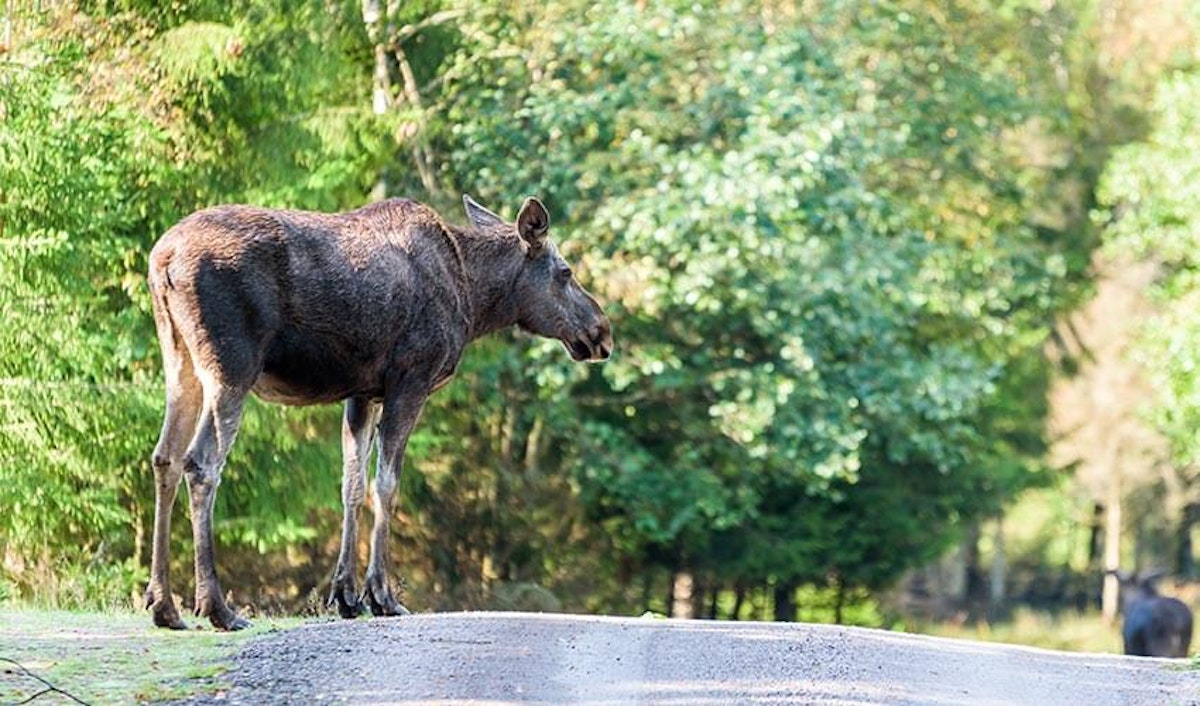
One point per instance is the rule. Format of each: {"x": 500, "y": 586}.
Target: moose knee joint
{"x": 200, "y": 476}
{"x": 160, "y": 460}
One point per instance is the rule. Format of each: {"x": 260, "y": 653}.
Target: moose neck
{"x": 492, "y": 264}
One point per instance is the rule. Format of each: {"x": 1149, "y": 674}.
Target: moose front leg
{"x": 358, "y": 433}
{"x": 400, "y": 413}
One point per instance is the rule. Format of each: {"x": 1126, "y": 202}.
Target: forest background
{"x": 906, "y": 296}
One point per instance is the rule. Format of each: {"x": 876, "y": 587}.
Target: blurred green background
{"x": 906, "y": 297}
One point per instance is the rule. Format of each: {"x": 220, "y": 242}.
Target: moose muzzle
{"x": 592, "y": 345}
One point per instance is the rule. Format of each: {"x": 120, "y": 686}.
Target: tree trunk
{"x": 699, "y": 594}
{"x": 421, "y": 155}
{"x": 713, "y": 599}
{"x": 381, "y": 75}
{"x": 1096, "y": 536}
{"x": 785, "y": 601}
{"x": 840, "y": 599}
{"x": 999, "y": 573}
{"x": 1185, "y": 557}
{"x": 1112, "y": 545}
{"x": 973, "y": 573}
{"x": 647, "y": 591}
{"x": 682, "y": 595}
{"x": 953, "y": 573}
{"x": 739, "y": 597}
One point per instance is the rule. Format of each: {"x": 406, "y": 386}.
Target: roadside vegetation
{"x": 112, "y": 657}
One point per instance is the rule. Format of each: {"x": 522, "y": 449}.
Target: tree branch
{"x": 436, "y": 18}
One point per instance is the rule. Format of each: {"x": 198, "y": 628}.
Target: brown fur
{"x": 374, "y": 307}
{"x": 1154, "y": 625}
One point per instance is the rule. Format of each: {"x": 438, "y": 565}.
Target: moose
{"x": 1155, "y": 626}
{"x": 372, "y": 307}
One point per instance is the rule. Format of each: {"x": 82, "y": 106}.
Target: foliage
{"x": 1150, "y": 189}
{"x": 1154, "y": 185}
{"x": 801, "y": 319}
{"x": 91, "y": 170}
{"x": 822, "y": 235}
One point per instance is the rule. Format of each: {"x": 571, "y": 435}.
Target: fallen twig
{"x": 50, "y": 688}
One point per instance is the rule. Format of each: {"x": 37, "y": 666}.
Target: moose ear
{"x": 533, "y": 222}
{"x": 479, "y": 216}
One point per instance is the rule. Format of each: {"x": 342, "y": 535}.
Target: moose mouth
{"x": 589, "y": 348}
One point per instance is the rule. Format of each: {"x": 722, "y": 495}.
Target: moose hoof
{"x": 385, "y": 606}
{"x": 228, "y": 621}
{"x": 380, "y": 600}
{"x": 164, "y": 613}
{"x": 168, "y": 618}
{"x": 347, "y": 601}
{"x": 220, "y": 615}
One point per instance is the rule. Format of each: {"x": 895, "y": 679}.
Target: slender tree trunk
{"x": 1096, "y": 537}
{"x": 421, "y": 154}
{"x": 1112, "y": 545}
{"x": 840, "y": 599}
{"x": 1185, "y": 557}
{"x": 952, "y": 578}
{"x": 699, "y": 591}
{"x": 387, "y": 41}
{"x": 381, "y": 76}
{"x": 784, "y": 594}
{"x": 996, "y": 586}
{"x": 682, "y": 594}
{"x": 739, "y": 597}
{"x": 973, "y": 572}
{"x": 533, "y": 446}
{"x": 670, "y": 604}
{"x": 714, "y": 596}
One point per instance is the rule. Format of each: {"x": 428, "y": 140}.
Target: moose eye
{"x": 563, "y": 274}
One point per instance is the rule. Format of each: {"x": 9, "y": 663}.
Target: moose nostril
{"x": 598, "y": 333}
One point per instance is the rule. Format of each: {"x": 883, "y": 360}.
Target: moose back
{"x": 372, "y": 307}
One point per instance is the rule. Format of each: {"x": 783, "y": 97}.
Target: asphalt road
{"x": 508, "y": 658}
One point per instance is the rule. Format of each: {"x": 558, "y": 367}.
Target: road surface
{"x": 509, "y": 658}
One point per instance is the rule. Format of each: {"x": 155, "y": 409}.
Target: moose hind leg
{"x": 400, "y": 414}
{"x": 183, "y": 401}
{"x": 358, "y": 433}
{"x": 376, "y": 591}
{"x": 202, "y": 465}
{"x": 179, "y": 423}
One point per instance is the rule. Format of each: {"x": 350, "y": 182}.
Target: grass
{"x": 1068, "y": 631}
{"x": 115, "y": 657}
